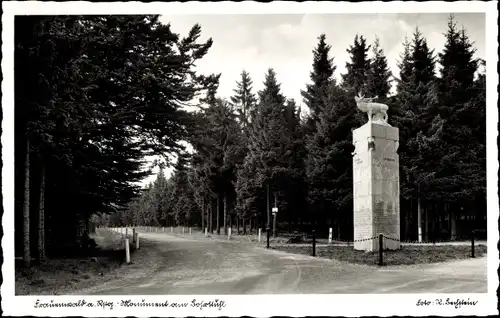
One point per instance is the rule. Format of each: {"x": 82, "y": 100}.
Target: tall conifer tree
{"x": 321, "y": 77}
{"x": 378, "y": 79}
{"x": 355, "y": 80}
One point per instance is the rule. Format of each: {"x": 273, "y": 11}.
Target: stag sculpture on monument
{"x": 375, "y": 179}
{"x": 377, "y": 112}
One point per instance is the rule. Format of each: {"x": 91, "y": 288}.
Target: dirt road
{"x": 169, "y": 264}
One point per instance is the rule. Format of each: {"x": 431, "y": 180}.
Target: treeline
{"x": 253, "y": 152}
{"x": 94, "y": 95}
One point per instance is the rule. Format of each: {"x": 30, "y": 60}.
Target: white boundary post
{"x": 260, "y": 233}
{"x": 330, "y": 232}
{"x": 127, "y": 251}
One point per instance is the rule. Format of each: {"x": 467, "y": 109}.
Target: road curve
{"x": 169, "y": 264}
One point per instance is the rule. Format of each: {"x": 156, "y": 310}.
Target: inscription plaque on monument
{"x": 375, "y": 178}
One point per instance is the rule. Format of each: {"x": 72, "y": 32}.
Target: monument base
{"x": 376, "y": 186}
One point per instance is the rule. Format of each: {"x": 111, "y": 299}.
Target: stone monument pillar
{"x": 375, "y": 179}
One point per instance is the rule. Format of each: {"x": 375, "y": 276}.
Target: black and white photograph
{"x": 187, "y": 160}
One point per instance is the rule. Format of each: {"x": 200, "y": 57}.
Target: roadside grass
{"x": 407, "y": 255}
{"x": 59, "y": 276}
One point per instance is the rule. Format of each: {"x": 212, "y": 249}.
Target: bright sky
{"x": 285, "y": 42}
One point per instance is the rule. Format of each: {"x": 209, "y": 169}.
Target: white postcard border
{"x": 251, "y": 305}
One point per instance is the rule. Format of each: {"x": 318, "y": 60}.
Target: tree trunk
{"x": 26, "y": 208}
{"x": 218, "y": 215}
{"x": 419, "y": 219}
{"x": 41, "y": 216}
{"x": 339, "y": 227}
{"x": 244, "y": 227}
{"x": 426, "y": 223}
{"x": 434, "y": 217}
{"x": 209, "y": 220}
{"x": 407, "y": 221}
{"x": 203, "y": 215}
{"x": 238, "y": 224}
{"x": 225, "y": 213}
{"x": 453, "y": 224}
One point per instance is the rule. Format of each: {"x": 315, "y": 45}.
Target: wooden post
{"x": 260, "y": 233}
{"x": 275, "y": 215}
{"x": 381, "y": 249}
{"x": 228, "y": 233}
{"x": 171, "y": 229}
{"x": 133, "y": 235}
{"x": 136, "y": 241}
{"x": 330, "y": 236}
{"x": 268, "y": 236}
{"x": 206, "y": 231}
{"x": 190, "y": 231}
{"x": 127, "y": 251}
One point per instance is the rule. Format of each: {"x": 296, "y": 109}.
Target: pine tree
{"x": 423, "y": 60}
{"x": 270, "y": 93}
{"x": 355, "y": 80}
{"x": 219, "y": 148}
{"x": 160, "y": 192}
{"x": 329, "y": 163}
{"x": 462, "y": 106}
{"x": 321, "y": 77}
{"x": 182, "y": 196}
{"x": 270, "y": 147}
{"x": 415, "y": 89}
{"x": 413, "y": 110}
{"x": 104, "y": 102}
{"x": 248, "y": 190}
{"x": 378, "y": 79}
{"x": 295, "y": 193}
{"x": 458, "y": 66}
{"x": 244, "y": 100}
{"x": 405, "y": 66}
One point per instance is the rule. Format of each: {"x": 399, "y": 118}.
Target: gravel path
{"x": 192, "y": 264}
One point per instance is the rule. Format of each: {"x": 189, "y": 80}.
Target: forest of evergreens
{"x": 96, "y": 95}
